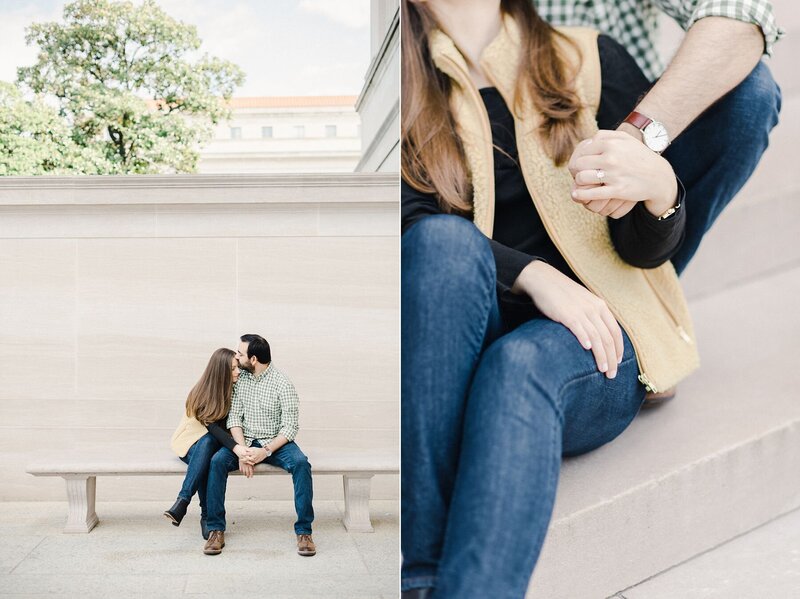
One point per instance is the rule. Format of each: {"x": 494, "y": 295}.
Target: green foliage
{"x": 35, "y": 140}
{"x": 130, "y": 85}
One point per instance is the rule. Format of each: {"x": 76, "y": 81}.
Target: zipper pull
{"x": 684, "y": 335}
{"x": 647, "y": 383}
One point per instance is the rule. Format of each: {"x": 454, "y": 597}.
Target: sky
{"x": 285, "y": 47}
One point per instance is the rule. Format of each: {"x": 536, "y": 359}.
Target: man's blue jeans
{"x": 289, "y": 457}
{"x": 486, "y": 417}
{"x": 198, "y": 459}
{"x": 717, "y": 153}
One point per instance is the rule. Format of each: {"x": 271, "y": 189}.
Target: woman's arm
{"x": 415, "y": 205}
{"x": 224, "y": 438}
{"x": 558, "y": 297}
{"x": 221, "y": 434}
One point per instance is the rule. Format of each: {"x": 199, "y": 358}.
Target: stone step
{"x": 762, "y": 563}
{"x": 718, "y": 460}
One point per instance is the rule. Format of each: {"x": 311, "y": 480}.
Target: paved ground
{"x": 764, "y": 563}
{"x": 135, "y": 552}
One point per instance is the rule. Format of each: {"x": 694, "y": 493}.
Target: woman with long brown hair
{"x": 538, "y": 303}
{"x": 202, "y": 431}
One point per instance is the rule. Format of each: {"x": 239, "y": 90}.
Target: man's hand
{"x": 245, "y": 454}
{"x": 246, "y": 469}
{"x": 259, "y": 455}
{"x": 613, "y": 171}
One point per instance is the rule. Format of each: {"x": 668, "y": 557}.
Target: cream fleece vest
{"x": 187, "y": 434}
{"x": 648, "y": 304}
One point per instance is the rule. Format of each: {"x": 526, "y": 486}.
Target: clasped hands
{"x": 612, "y": 171}
{"x": 249, "y": 457}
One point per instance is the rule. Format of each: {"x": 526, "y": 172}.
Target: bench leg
{"x": 81, "y": 516}
{"x": 356, "y": 503}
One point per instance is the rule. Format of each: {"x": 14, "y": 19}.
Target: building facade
{"x": 378, "y": 103}
{"x": 285, "y": 134}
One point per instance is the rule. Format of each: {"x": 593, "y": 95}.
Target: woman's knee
{"x": 446, "y": 246}
{"x": 207, "y": 442}
{"x": 221, "y": 459}
{"x": 523, "y": 370}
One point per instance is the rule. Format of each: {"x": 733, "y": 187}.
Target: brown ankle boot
{"x": 305, "y": 545}
{"x": 654, "y": 399}
{"x": 215, "y": 543}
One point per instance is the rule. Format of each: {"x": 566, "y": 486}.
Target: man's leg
{"x": 222, "y": 462}
{"x": 716, "y": 155}
{"x": 290, "y": 458}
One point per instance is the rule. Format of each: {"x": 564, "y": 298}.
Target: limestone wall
{"x": 114, "y": 291}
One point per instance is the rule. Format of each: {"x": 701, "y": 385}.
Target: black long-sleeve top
{"x": 221, "y": 434}
{"x": 519, "y": 236}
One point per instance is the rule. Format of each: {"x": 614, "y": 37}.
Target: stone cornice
{"x": 200, "y": 189}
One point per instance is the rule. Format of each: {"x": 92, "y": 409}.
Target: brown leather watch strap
{"x": 638, "y": 120}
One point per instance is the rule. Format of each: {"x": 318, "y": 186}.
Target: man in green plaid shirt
{"x": 715, "y": 103}
{"x": 634, "y": 23}
{"x": 264, "y": 415}
{"x": 710, "y": 111}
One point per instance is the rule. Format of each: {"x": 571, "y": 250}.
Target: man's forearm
{"x": 277, "y": 443}
{"x": 238, "y": 435}
{"x": 715, "y": 56}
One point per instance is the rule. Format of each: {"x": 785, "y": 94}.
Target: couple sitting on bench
{"x": 241, "y": 412}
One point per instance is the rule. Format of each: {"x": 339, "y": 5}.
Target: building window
{"x": 236, "y": 133}
{"x": 266, "y": 132}
{"x": 299, "y": 131}
{"x": 330, "y": 130}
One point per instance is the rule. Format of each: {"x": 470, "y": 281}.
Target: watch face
{"x": 655, "y": 137}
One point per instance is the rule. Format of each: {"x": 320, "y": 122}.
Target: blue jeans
{"x": 198, "y": 458}
{"x": 717, "y": 153}
{"x": 486, "y": 418}
{"x": 289, "y": 457}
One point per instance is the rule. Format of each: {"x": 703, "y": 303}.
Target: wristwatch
{"x": 654, "y": 134}
{"x": 269, "y": 453}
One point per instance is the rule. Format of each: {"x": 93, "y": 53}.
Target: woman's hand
{"x": 246, "y": 469}
{"x": 587, "y": 316}
{"x": 245, "y": 454}
{"x": 613, "y": 171}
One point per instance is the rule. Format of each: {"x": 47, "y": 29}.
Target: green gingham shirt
{"x": 634, "y": 23}
{"x": 265, "y": 406}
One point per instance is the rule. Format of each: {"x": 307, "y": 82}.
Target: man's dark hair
{"x": 257, "y": 346}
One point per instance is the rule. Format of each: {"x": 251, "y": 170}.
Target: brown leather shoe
{"x": 215, "y": 543}
{"x": 655, "y": 399}
{"x": 305, "y": 546}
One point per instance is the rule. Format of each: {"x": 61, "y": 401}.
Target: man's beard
{"x": 247, "y": 366}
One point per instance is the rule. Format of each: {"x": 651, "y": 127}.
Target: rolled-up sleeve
{"x": 236, "y": 413}
{"x": 758, "y": 12}
{"x": 290, "y": 411}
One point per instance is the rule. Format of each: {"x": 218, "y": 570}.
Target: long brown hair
{"x": 210, "y": 399}
{"x": 433, "y": 158}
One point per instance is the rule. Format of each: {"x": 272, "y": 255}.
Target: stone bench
{"x": 80, "y": 470}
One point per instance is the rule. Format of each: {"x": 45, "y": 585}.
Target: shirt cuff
{"x": 757, "y": 12}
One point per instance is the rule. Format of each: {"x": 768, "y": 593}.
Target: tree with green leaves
{"x": 35, "y": 140}
{"x": 130, "y": 84}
